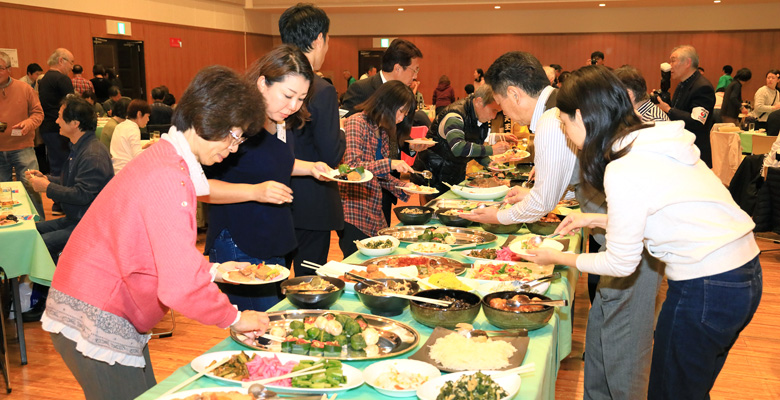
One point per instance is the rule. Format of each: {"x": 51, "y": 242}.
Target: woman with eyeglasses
{"x": 132, "y": 255}
{"x": 369, "y": 134}
{"x": 250, "y": 217}
{"x": 663, "y": 197}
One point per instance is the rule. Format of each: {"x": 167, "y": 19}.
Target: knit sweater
{"x": 19, "y": 103}
{"x": 133, "y": 254}
{"x": 763, "y": 101}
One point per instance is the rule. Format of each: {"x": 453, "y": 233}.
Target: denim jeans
{"x": 699, "y": 322}
{"x": 21, "y": 160}
{"x": 246, "y": 297}
{"x": 55, "y": 234}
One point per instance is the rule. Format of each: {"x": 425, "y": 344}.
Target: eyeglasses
{"x": 236, "y": 138}
{"x": 69, "y": 61}
{"x": 415, "y": 70}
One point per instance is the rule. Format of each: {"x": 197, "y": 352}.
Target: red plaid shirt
{"x": 363, "y": 201}
{"x": 80, "y": 85}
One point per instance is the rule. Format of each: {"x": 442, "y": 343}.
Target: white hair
{"x": 54, "y": 58}
{"x": 6, "y": 59}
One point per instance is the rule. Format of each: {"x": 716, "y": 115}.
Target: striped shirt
{"x": 452, "y": 129}
{"x": 650, "y": 112}
{"x": 554, "y": 163}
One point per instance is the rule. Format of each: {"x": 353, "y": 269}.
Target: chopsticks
{"x": 519, "y": 370}
{"x": 437, "y": 302}
{"x": 195, "y": 378}
{"x": 302, "y": 372}
{"x": 311, "y": 265}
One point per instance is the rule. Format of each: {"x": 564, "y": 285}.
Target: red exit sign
{"x": 175, "y": 42}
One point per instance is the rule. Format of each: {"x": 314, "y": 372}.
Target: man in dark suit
{"x": 316, "y": 206}
{"x": 400, "y": 62}
{"x": 693, "y": 100}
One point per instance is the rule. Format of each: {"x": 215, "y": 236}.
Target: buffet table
{"x": 24, "y": 253}
{"x": 548, "y": 345}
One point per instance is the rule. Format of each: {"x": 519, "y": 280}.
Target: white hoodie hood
{"x": 667, "y": 138}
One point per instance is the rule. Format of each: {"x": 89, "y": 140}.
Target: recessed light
{"x": 400, "y": 9}
{"x": 716, "y": 1}
{"x": 497, "y": 7}
{"x": 602, "y": 5}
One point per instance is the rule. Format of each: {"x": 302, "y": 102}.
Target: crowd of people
{"x": 257, "y": 147}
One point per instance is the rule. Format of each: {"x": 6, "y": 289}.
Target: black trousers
{"x": 347, "y": 237}
{"x": 312, "y": 246}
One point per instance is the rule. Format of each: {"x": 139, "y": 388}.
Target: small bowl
{"x": 419, "y": 248}
{"x": 373, "y": 371}
{"x": 414, "y": 219}
{"x": 432, "y": 316}
{"x": 430, "y": 390}
{"x": 542, "y": 228}
{"x": 320, "y": 301}
{"x": 378, "y": 252}
{"x": 503, "y": 319}
{"x": 501, "y": 229}
{"x": 451, "y": 220}
{"x": 386, "y": 306}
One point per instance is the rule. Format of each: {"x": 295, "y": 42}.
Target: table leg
{"x": 4, "y": 360}
{"x": 18, "y": 319}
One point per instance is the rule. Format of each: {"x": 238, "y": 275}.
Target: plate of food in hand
{"x": 418, "y": 189}
{"x": 257, "y": 274}
{"x": 486, "y": 193}
{"x": 245, "y": 366}
{"x": 442, "y": 234}
{"x": 337, "y": 335}
{"x": 218, "y": 392}
{"x": 345, "y": 173}
{"x": 421, "y": 141}
{"x": 9, "y": 220}
{"x": 425, "y": 266}
{"x": 511, "y": 155}
{"x": 495, "y": 276}
{"x": 470, "y": 385}
{"x": 500, "y": 166}
{"x": 529, "y": 242}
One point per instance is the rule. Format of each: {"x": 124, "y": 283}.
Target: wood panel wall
{"x": 174, "y": 67}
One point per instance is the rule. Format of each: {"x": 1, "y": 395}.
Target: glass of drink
{"x": 751, "y": 127}
{"x": 6, "y": 200}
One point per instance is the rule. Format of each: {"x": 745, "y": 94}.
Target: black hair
{"x": 634, "y": 81}
{"x": 519, "y": 69}
{"x": 607, "y": 114}
{"x": 217, "y": 100}
{"x": 743, "y": 75}
{"x": 77, "y": 109}
{"x": 469, "y": 89}
{"x": 158, "y": 94}
{"x": 556, "y": 67}
{"x": 78, "y": 69}
{"x": 98, "y": 69}
{"x": 399, "y": 52}
{"x": 772, "y": 71}
{"x": 276, "y": 66}
{"x": 562, "y": 77}
{"x": 300, "y": 25}
{"x": 119, "y": 109}
{"x": 33, "y": 68}
{"x": 137, "y": 106}
{"x": 88, "y": 94}
{"x": 383, "y": 105}
{"x": 597, "y": 54}
{"x": 728, "y": 69}
{"x": 480, "y": 75}
{"x": 113, "y": 91}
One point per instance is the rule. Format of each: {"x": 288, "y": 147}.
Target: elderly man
{"x": 693, "y": 100}
{"x": 53, "y": 87}
{"x": 348, "y": 76}
{"x": 80, "y": 85}
{"x": 21, "y": 113}
{"x": 637, "y": 92}
{"x": 86, "y": 171}
{"x": 460, "y": 131}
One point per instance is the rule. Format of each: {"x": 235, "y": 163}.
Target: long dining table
{"x": 547, "y": 347}
{"x": 23, "y": 252}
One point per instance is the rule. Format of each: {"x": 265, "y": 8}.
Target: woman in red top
{"x": 368, "y": 134}
{"x": 443, "y": 95}
{"x": 133, "y": 254}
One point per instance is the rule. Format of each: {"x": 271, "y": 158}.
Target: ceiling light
{"x": 400, "y": 9}
{"x": 602, "y": 5}
{"x": 497, "y": 7}
{"x": 716, "y": 1}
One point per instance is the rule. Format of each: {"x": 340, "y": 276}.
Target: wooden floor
{"x": 752, "y": 370}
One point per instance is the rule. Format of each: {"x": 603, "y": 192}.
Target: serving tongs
{"x": 536, "y": 282}
{"x": 367, "y": 281}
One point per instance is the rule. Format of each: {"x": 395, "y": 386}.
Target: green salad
{"x": 472, "y": 387}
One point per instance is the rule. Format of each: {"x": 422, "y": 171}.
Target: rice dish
{"x": 457, "y": 352}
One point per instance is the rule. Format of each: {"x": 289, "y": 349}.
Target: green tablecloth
{"x": 547, "y": 348}
{"x": 22, "y": 251}
{"x": 746, "y": 138}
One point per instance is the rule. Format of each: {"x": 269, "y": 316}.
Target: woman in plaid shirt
{"x": 368, "y": 135}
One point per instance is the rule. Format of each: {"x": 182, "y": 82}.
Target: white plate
{"x": 484, "y": 286}
{"x": 420, "y": 141}
{"x": 432, "y": 388}
{"x": 284, "y": 275}
{"x": 336, "y": 270}
{"x": 546, "y": 243}
{"x": 187, "y": 393}
{"x": 353, "y": 375}
{"x": 466, "y": 253}
{"x": 17, "y": 204}
{"x": 480, "y": 193}
{"x": 494, "y": 169}
{"x": 17, "y": 223}
{"x": 379, "y": 252}
{"x": 415, "y": 191}
{"x": 366, "y": 176}
{"x": 372, "y": 373}
{"x": 515, "y": 157}
{"x": 416, "y": 248}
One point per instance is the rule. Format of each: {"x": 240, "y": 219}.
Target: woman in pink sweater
{"x": 133, "y": 255}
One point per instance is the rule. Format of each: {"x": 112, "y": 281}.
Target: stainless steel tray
{"x": 408, "y": 234}
{"x": 456, "y": 266}
{"x": 394, "y": 337}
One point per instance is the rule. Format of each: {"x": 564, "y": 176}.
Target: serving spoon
{"x": 425, "y": 174}
{"x": 260, "y": 392}
{"x": 523, "y": 300}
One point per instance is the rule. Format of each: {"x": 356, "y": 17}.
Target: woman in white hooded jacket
{"x": 663, "y": 197}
